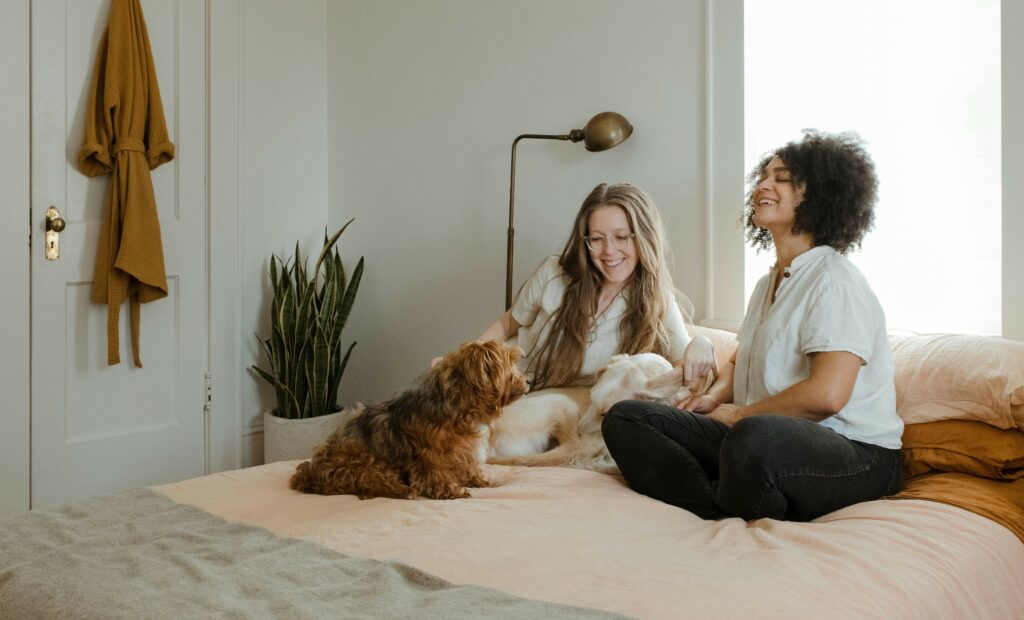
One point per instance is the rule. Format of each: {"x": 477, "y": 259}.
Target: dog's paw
{"x": 478, "y": 482}
{"x": 455, "y": 493}
{"x": 444, "y": 492}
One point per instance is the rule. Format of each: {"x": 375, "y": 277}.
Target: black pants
{"x": 764, "y": 466}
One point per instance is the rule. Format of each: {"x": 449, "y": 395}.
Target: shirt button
{"x": 785, "y": 274}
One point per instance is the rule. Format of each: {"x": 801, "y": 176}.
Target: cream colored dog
{"x": 562, "y": 426}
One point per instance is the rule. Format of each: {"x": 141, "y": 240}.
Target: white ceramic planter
{"x": 286, "y": 440}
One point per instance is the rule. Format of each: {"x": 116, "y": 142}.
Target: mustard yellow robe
{"x": 126, "y": 137}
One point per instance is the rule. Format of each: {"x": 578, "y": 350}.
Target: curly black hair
{"x": 841, "y": 190}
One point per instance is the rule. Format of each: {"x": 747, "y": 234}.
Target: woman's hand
{"x": 698, "y": 360}
{"x": 698, "y": 403}
{"x": 726, "y": 414}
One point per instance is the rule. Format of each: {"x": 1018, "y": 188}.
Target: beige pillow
{"x": 960, "y": 377}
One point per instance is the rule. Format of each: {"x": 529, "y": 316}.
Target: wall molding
{"x": 223, "y": 234}
{"x": 724, "y": 144}
{"x": 1011, "y": 19}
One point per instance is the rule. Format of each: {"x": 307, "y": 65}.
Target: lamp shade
{"x": 605, "y": 131}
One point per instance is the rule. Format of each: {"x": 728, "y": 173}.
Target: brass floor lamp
{"x": 604, "y": 131}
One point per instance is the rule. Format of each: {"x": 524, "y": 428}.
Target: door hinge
{"x": 208, "y": 402}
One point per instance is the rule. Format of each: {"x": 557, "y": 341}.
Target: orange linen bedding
{"x": 999, "y": 500}
{"x": 583, "y": 538}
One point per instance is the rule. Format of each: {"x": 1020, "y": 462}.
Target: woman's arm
{"x": 695, "y": 355}
{"x": 698, "y": 359}
{"x": 502, "y": 329}
{"x": 719, "y": 393}
{"x": 824, "y": 393}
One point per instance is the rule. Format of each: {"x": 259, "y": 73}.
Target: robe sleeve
{"x": 159, "y": 148}
{"x": 94, "y": 156}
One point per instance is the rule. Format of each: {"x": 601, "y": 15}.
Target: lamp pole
{"x": 512, "y": 203}
{"x": 602, "y": 132}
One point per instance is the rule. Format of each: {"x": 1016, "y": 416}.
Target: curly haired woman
{"x": 802, "y": 421}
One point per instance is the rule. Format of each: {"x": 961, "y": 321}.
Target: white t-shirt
{"x": 822, "y": 304}
{"x": 541, "y": 297}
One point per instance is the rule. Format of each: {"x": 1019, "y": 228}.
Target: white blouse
{"x": 541, "y": 297}
{"x": 822, "y": 304}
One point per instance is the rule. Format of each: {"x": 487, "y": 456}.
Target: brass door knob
{"x": 54, "y": 221}
{"x": 54, "y": 224}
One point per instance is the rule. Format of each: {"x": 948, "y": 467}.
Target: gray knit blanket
{"x": 137, "y": 554}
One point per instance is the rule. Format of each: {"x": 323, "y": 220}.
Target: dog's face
{"x": 483, "y": 373}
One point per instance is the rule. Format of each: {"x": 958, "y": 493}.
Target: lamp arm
{"x": 575, "y": 136}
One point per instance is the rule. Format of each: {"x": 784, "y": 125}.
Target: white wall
{"x": 14, "y": 277}
{"x": 424, "y": 102}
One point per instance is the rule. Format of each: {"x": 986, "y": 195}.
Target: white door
{"x": 99, "y": 428}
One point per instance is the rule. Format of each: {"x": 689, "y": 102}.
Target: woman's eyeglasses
{"x": 597, "y": 243}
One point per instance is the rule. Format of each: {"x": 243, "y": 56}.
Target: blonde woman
{"x": 609, "y": 292}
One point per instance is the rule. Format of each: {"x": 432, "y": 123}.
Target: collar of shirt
{"x": 803, "y": 259}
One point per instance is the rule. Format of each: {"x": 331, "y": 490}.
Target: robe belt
{"x": 116, "y": 286}
{"x": 128, "y": 144}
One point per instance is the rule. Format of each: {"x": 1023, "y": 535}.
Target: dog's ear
{"x": 705, "y": 384}
{"x": 662, "y": 386}
{"x": 482, "y": 365}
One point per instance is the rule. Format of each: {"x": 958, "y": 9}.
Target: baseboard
{"x": 252, "y": 446}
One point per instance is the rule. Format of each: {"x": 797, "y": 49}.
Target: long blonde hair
{"x": 559, "y": 359}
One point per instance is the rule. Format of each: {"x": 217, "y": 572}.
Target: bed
{"x": 554, "y": 542}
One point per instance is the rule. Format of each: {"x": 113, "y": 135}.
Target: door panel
{"x": 99, "y": 428}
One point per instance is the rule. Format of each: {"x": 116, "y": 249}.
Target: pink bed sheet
{"x": 583, "y": 538}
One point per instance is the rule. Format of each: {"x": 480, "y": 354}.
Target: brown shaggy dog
{"x": 429, "y": 440}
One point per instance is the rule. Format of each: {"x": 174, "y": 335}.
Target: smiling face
{"x": 612, "y": 247}
{"x": 776, "y": 198}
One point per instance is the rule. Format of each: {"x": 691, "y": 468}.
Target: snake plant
{"x": 307, "y": 316}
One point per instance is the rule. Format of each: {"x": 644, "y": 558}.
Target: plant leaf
{"x": 308, "y": 312}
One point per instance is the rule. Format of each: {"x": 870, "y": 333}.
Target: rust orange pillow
{"x": 963, "y": 446}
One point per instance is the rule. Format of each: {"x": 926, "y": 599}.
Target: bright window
{"x": 919, "y": 80}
